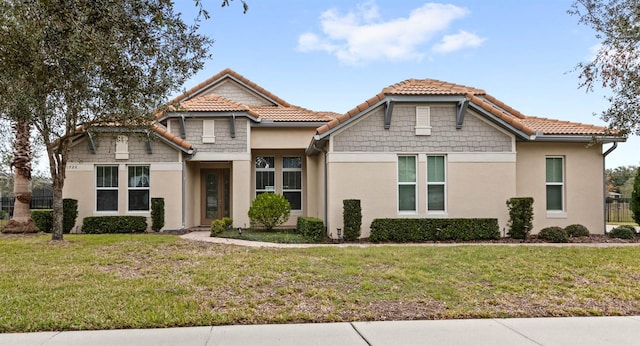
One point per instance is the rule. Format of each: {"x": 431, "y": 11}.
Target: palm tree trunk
{"x": 21, "y": 222}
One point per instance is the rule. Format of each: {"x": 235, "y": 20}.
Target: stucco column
{"x": 241, "y": 192}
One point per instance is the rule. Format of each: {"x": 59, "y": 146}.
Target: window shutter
{"x": 423, "y": 121}
{"x": 208, "y": 131}
{"x": 122, "y": 148}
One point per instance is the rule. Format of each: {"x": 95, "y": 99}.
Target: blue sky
{"x": 332, "y": 55}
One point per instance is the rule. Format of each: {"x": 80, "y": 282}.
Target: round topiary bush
{"x": 577, "y": 230}
{"x": 554, "y": 235}
{"x": 269, "y": 210}
{"x": 623, "y": 232}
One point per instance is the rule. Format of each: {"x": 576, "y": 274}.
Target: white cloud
{"x": 362, "y": 35}
{"x": 461, "y": 40}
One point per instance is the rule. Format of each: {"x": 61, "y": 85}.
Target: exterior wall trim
{"x": 481, "y": 157}
{"x": 214, "y": 156}
{"x": 361, "y": 157}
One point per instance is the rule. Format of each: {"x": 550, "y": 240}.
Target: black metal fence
{"x": 618, "y": 210}
{"x": 37, "y": 202}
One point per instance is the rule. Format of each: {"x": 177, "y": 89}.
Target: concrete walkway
{"x": 583, "y": 331}
{"x": 205, "y": 236}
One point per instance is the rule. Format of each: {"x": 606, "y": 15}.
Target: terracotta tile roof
{"x": 282, "y": 111}
{"x": 220, "y": 75}
{"x": 429, "y": 87}
{"x": 526, "y": 124}
{"x": 292, "y": 113}
{"x": 559, "y": 127}
{"x": 163, "y": 132}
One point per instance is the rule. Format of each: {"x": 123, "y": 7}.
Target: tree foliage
{"x": 618, "y": 177}
{"x": 69, "y": 65}
{"x": 635, "y": 198}
{"x": 616, "y": 64}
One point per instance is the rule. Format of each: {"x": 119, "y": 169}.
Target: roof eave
{"x": 197, "y": 114}
{"x": 500, "y": 122}
{"x": 578, "y": 138}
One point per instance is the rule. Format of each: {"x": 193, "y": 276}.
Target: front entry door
{"x": 215, "y": 195}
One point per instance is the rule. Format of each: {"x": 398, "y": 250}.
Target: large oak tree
{"x": 68, "y": 65}
{"x": 616, "y": 64}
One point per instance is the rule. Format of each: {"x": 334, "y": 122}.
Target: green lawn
{"x": 142, "y": 281}
{"x": 286, "y": 236}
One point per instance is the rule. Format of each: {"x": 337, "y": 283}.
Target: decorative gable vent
{"x": 122, "y": 148}
{"x": 423, "y": 121}
{"x": 208, "y": 131}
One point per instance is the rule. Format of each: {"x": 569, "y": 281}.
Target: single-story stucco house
{"x": 420, "y": 148}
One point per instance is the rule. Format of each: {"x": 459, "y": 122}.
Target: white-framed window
{"x": 407, "y": 183}
{"x": 292, "y": 181}
{"x": 107, "y": 188}
{"x": 265, "y": 174}
{"x": 122, "y": 148}
{"x": 423, "y": 121}
{"x": 208, "y": 131}
{"x": 555, "y": 183}
{"x": 436, "y": 183}
{"x": 138, "y": 188}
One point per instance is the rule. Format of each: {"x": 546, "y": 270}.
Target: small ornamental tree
{"x": 269, "y": 210}
{"x": 520, "y": 216}
{"x": 352, "y": 219}
{"x": 157, "y": 214}
{"x": 635, "y": 198}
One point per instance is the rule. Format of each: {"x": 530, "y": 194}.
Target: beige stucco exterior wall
{"x": 480, "y": 190}
{"x": 281, "y": 138}
{"x": 165, "y": 174}
{"x": 164, "y": 182}
{"x": 373, "y": 183}
{"x": 374, "y": 180}
{"x": 241, "y": 192}
{"x": 584, "y": 196}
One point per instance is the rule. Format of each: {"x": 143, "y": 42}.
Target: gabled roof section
{"x": 200, "y": 99}
{"x": 479, "y": 100}
{"x": 180, "y": 143}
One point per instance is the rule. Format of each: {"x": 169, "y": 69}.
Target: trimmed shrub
{"x": 419, "y": 230}
{"x": 228, "y": 222}
{"x": 217, "y": 227}
{"x": 69, "y": 214}
{"x": 634, "y": 205}
{"x": 114, "y": 224}
{"x": 43, "y": 219}
{"x": 577, "y": 230}
{"x": 311, "y": 228}
{"x": 157, "y": 214}
{"x": 554, "y": 234}
{"x": 352, "y": 219}
{"x": 623, "y": 232}
{"x": 269, "y": 210}
{"x": 520, "y": 217}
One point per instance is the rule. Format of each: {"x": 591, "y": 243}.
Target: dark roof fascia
{"x": 315, "y": 146}
{"x": 190, "y": 114}
{"x": 577, "y": 138}
{"x": 173, "y": 145}
{"x": 499, "y": 121}
{"x": 267, "y": 123}
{"x": 425, "y": 98}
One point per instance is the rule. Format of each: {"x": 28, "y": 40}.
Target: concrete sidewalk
{"x": 584, "y": 331}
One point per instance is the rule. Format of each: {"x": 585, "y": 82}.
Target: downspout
{"x": 184, "y": 189}
{"x": 604, "y": 183}
{"x": 326, "y": 187}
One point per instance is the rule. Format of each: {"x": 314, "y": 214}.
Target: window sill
{"x": 556, "y": 215}
{"x": 437, "y": 214}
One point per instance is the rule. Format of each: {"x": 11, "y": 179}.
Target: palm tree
{"x": 21, "y": 222}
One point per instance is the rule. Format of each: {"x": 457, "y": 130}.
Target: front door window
{"x": 215, "y": 201}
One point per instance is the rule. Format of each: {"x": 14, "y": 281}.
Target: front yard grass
{"x": 145, "y": 281}
{"x": 285, "y": 236}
